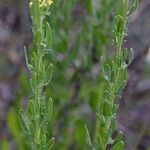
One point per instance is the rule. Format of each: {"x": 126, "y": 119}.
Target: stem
{"x": 124, "y": 26}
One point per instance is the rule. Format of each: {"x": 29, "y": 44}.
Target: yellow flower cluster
{"x": 43, "y": 3}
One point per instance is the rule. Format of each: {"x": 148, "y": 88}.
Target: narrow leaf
{"x": 118, "y": 146}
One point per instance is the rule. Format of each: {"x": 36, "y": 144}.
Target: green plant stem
{"x": 124, "y": 26}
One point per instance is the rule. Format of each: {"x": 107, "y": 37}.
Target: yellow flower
{"x": 43, "y": 3}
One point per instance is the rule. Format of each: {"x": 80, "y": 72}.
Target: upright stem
{"x": 126, "y": 2}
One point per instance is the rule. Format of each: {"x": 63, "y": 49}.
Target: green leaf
{"x": 106, "y": 71}
{"x": 118, "y": 146}
{"x": 24, "y": 122}
{"x": 51, "y": 143}
{"x": 103, "y": 135}
{"x": 106, "y": 94}
{"x": 43, "y": 139}
{"x": 113, "y": 124}
{"x": 48, "y": 74}
{"x": 130, "y": 56}
{"x": 106, "y": 108}
{"x": 112, "y": 77}
{"x": 31, "y": 108}
{"x": 35, "y": 13}
{"x": 101, "y": 120}
{"x": 123, "y": 65}
{"x": 119, "y": 136}
{"x": 34, "y": 61}
{"x": 88, "y": 139}
{"x": 29, "y": 66}
{"x": 118, "y": 24}
{"x": 38, "y": 37}
{"x": 124, "y": 54}
{"x": 120, "y": 87}
{"x": 117, "y": 61}
{"x": 133, "y": 8}
{"x": 100, "y": 142}
{"x": 49, "y": 108}
{"x": 115, "y": 108}
{"x": 48, "y": 35}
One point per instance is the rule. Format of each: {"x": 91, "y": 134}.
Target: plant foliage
{"x": 35, "y": 120}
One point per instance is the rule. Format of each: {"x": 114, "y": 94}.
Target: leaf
{"x": 48, "y": 35}
{"x": 49, "y": 70}
{"x": 32, "y": 86}
{"x": 34, "y": 61}
{"x": 106, "y": 94}
{"x": 120, "y": 86}
{"x": 104, "y": 135}
{"x": 43, "y": 139}
{"x": 117, "y": 61}
{"x": 31, "y": 108}
{"x": 35, "y": 13}
{"x": 88, "y": 139}
{"x": 118, "y": 24}
{"x": 119, "y": 136}
{"x": 112, "y": 77}
{"x": 29, "y": 66}
{"x": 100, "y": 142}
{"x": 107, "y": 73}
{"x": 51, "y": 143}
{"x": 123, "y": 65}
{"x": 113, "y": 124}
{"x": 133, "y": 8}
{"x": 38, "y": 37}
{"x": 130, "y": 56}
{"x": 24, "y": 122}
{"x": 124, "y": 54}
{"x": 115, "y": 108}
{"x": 118, "y": 146}
{"x": 49, "y": 108}
{"x": 13, "y": 124}
{"x": 106, "y": 108}
{"x": 101, "y": 120}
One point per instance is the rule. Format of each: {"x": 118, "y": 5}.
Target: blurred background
{"x": 81, "y": 31}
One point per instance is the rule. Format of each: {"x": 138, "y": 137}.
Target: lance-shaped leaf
{"x": 38, "y": 37}
{"x": 106, "y": 108}
{"x": 31, "y": 108}
{"x": 106, "y": 94}
{"x": 106, "y": 71}
{"x": 119, "y": 136}
{"x": 48, "y": 35}
{"x": 49, "y": 108}
{"x": 133, "y": 7}
{"x": 101, "y": 120}
{"x": 50, "y": 143}
{"x": 118, "y": 146}
{"x": 88, "y": 139}
{"x": 25, "y": 123}
{"x": 130, "y": 56}
{"x": 48, "y": 74}
{"x": 29, "y": 66}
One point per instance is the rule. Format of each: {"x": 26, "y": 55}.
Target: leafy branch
{"x": 115, "y": 74}
{"x": 35, "y": 119}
